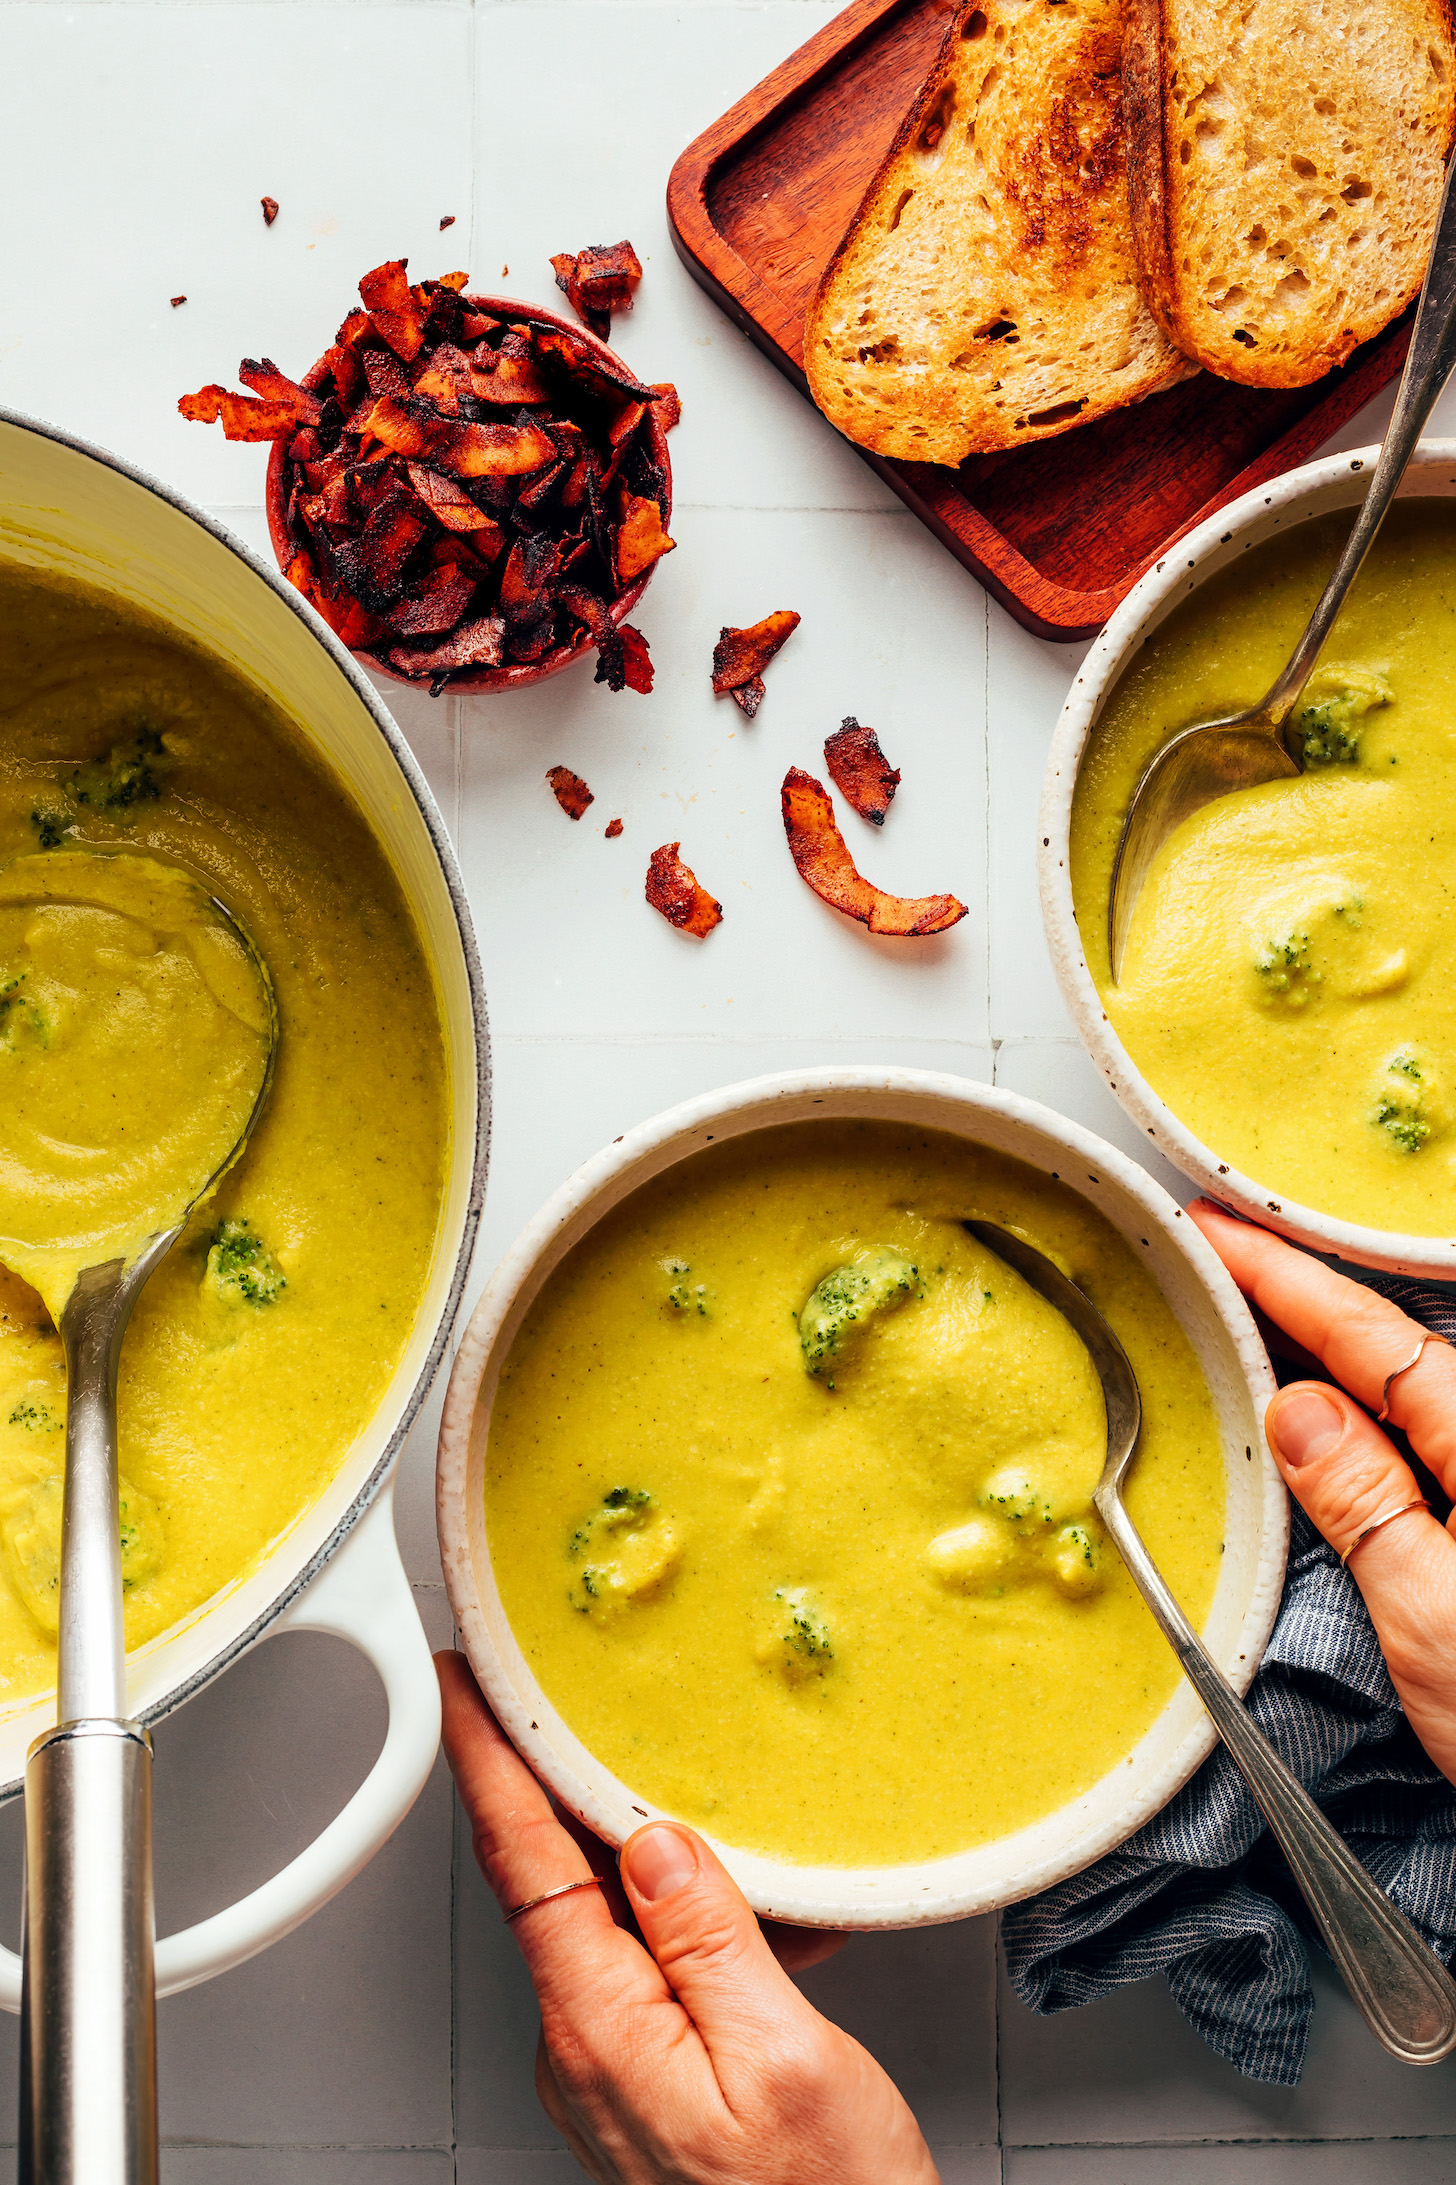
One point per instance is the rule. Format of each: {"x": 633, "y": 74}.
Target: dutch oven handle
{"x": 361, "y": 1595}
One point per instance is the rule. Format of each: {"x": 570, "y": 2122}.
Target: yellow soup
{"x": 1289, "y": 983}
{"x": 261, "y": 1347}
{"x": 135, "y": 1033}
{"x": 789, "y": 1491}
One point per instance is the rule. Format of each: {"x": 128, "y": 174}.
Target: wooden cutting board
{"x": 1059, "y": 531}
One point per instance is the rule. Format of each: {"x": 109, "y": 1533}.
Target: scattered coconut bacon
{"x": 598, "y": 281}
{"x": 823, "y": 860}
{"x": 270, "y": 210}
{"x": 674, "y": 890}
{"x": 569, "y": 790}
{"x": 740, "y": 657}
{"x": 612, "y": 829}
{"x": 462, "y": 492}
{"x": 860, "y": 771}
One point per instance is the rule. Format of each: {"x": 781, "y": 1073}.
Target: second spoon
{"x": 1400, "y": 1987}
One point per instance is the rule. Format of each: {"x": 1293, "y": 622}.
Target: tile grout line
{"x": 757, "y": 1039}
{"x": 457, "y": 775}
{"x": 1186, "y": 2146}
{"x": 989, "y": 987}
{"x": 457, "y": 735}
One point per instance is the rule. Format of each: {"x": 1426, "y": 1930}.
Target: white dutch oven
{"x": 1337, "y": 482}
{"x": 74, "y": 509}
{"x": 1207, "y": 1305}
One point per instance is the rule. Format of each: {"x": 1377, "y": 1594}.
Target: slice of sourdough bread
{"x": 1284, "y": 163}
{"x": 985, "y": 294}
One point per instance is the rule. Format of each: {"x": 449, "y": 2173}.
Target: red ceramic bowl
{"x": 517, "y": 676}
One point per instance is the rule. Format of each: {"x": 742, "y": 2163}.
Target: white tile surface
{"x": 1027, "y": 680}
{"x": 341, "y": 2035}
{"x": 892, "y": 1993}
{"x": 891, "y": 632}
{"x": 1363, "y": 2162}
{"x": 135, "y": 142}
{"x": 558, "y": 1101}
{"x": 1062, "y": 1075}
{"x": 307, "y": 2166}
{"x": 414, "y": 1492}
{"x": 516, "y": 2166}
{"x": 139, "y": 140}
{"x": 639, "y": 85}
{"x": 1132, "y": 2068}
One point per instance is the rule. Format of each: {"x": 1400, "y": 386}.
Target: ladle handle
{"x": 88, "y": 2069}
{"x": 1402, "y": 1990}
{"x": 1428, "y": 366}
{"x": 88, "y": 2079}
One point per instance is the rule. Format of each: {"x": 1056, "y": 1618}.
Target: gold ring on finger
{"x": 1384, "y": 1517}
{"x": 1391, "y": 1378}
{"x": 567, "y": 1889}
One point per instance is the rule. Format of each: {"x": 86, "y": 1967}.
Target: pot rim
{"x": 408, "y": 766}
{"x": 514, "y": 675}
{"x": 865, "y": 1897}
{"x": 1282, "y": 499}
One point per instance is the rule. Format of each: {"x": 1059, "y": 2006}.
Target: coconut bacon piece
{"x": 860, "y": 771}
{"x": 673, "y": 889}
{"x": 740, "y": 657}
{"x": 641, "y": 539}
{"x": 598, "y": 281}
{"x": 822, "y": 857}
{"x": 242, "y": 417}
{"x": 569, "y": 790}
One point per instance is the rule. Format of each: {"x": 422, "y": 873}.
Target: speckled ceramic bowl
{"x": 1337, "y": 482}
{"x": 1208, "y": 1307}
{"x": 518, "y": 675}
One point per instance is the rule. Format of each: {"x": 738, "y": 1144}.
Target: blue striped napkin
{"x": 1202, "y": 1894}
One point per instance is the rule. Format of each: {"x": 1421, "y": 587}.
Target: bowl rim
{"x": 300, "y": 1575}
{"x": 512, "y": 675}
{"x": 867, "y": 1897}
{"x": 1280, "y": 500}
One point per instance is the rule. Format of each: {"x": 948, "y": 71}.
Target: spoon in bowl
{"x": 1400, "y": 1987}
{"x": 128, "y": 965}
{"x": 1211, "y": 758}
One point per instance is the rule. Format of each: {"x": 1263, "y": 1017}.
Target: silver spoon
{"x": 1399, "y": 1985}
{"x": 1240, "y": 750}
{"x": 88, "y": 2070}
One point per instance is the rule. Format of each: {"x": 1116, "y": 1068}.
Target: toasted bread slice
{"x": 985, "y": 293}
{"x": 1284, "y": 165}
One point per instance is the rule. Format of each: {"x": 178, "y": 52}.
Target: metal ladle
{"x": 1211, "y": 758}
{"x": 88, "y": 2072}
{"x": 1399, "y": 1985}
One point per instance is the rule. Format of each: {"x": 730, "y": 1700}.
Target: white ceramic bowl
{"x": 74, "y": 510}
{"x": 1337, "y": 482}
{"x": 1208, "y": 1307}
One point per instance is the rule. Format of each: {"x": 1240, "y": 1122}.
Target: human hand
{"x": 1344, "y": 1473}
{"x": 694, "y": 2061}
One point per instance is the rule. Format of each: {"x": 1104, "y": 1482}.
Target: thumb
{"x": 697, "y": 1923}
{"x": 1340, "y": 1468}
